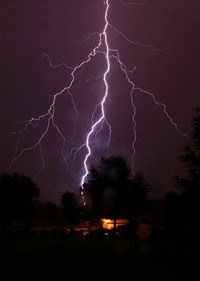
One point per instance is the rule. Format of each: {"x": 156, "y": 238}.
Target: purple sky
{"x": 28, "y": 84}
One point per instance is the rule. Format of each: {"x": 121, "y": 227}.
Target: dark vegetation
{"x": 54, "y": 242}
{"x": 76, "y": 259}
{"x": 111, "y": 193}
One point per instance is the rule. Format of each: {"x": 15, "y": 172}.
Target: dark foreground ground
{"x": 80, "y": 259}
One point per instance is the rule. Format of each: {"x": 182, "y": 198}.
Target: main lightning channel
{"x": 102, "y": 116}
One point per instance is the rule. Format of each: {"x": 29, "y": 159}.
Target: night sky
{"x": 170, "y": 72}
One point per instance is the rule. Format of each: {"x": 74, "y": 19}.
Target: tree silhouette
{"x": 137, "y": 198}
{"x": 174, "y": 215}
{"x": 190, "y": 184}
{"x": 71, "y": 208}
{"x": 17, "y": 194}
{"x": 112, "y": 193}
{"x": 48, "y": 214}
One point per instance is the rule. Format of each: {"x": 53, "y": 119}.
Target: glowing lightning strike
{"x": 96, "y": 125}
{"x": 133, "y": 88}
{"x": 103, "y": 34}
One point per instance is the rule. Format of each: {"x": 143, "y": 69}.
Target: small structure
{"x": 109, "y": 223}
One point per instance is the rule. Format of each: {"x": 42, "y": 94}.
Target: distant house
{"x": 109, "y": 223}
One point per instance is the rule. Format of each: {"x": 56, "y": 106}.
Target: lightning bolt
{"x": 115, "y": 55}
{"x": 102, "y": 116}
{"x": 98, "y": 118}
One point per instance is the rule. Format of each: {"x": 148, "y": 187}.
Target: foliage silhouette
{"x": 48, "y": 214}
{"x": 71, "y": 208}
{"x": 190, "y": 184}
{"x": 111, "y": 192}
{"x": 17, "y": 195}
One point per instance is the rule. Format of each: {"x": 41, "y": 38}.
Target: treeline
{"x": 110, "y": 192}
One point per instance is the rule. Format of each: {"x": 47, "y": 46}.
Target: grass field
{"x": 79, "y": 259}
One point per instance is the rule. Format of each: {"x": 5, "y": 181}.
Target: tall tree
{"x": 48, "y": 214}
{"x": 137, "y": 196}
{"x": 190, "y": 184}
{"x": 174, "y": 213}
{"x": 71, "y": 208}
{"x": 105, "y": 184}
{"x": 110, "y": 191}
{"x": 17, "y": 195}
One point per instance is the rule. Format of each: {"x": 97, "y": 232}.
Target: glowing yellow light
{"x": 109, "y": 223}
